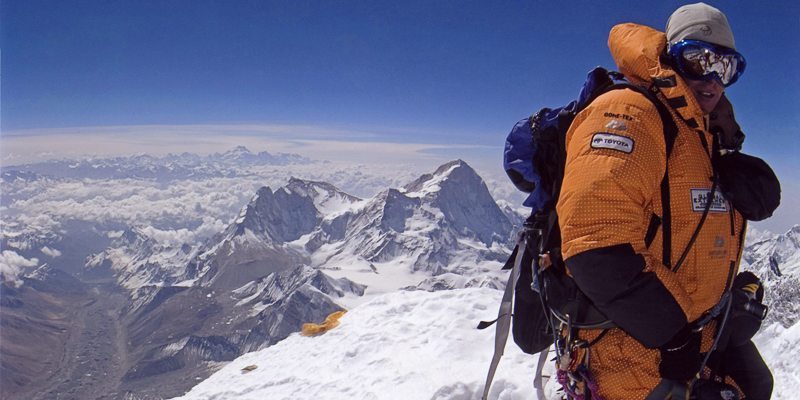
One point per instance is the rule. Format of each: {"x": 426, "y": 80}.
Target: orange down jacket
{"x": 611, "y": 198}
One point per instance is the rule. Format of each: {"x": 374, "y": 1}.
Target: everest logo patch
{"x": 700, "y": 199}
{"x": 614, "y": 124}
{"x": 612, "y": 142}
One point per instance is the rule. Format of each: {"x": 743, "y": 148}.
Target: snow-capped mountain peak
{"x": 430, "y": 183}
{"x": 464, "y": 199}
{"x": 774, "y": 256}
{"x": 328, "y": 199}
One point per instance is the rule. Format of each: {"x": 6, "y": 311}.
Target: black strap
{"x": 597, "y": 339}
{"x": 504, "y": 316}
{"x": 670, "y": 135}
{"x": 652, "y": 229}
{"x": 666, "y": 221}
{"x": 678, "y": 102}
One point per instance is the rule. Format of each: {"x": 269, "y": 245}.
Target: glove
{"x": 746, "y": 181}
{"x": 747, "y": 310}
{"x": 712, "y": 390}
{"x": 748, "y": 284}
{"x": 722, "y": 123}
{"x": 680, "y": 356}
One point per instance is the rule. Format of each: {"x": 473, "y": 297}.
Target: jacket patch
{"x": 700, "y": 199}
{"x": 614, "y": 124}
{"x": 612, "y": 142}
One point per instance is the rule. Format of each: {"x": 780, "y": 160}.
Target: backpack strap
{"x": 651, "y": 92}
{"x": 504, "y": 315}
{"x": 670, "y": 134}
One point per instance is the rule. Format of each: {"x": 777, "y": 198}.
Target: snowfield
{"x": 402, "y": 345}
{"x": 421, "y": 345}
{"x": 780, "y": 348}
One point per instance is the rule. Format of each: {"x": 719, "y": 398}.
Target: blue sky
{"x": 431, "y": 72}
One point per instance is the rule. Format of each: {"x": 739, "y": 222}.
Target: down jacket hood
{"x": 636, "y": 50}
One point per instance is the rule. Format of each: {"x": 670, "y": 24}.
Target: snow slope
{"x": 420, "y": 345}
{"x": 402, "y": 345}
{"x": 780, "y": 348}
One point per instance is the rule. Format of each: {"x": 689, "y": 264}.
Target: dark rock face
{"x": 35, "y": 328}
{"x": 397, "y": 208}
{"x": 191, "y": 350}
{"x": 221, "y": 325}
{"x": 430, "y": 218}
{"x": 281, "y": 216}
{"x": 253, "y": 247}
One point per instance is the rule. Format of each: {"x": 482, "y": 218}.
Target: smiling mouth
{"x": 707, "y": 95}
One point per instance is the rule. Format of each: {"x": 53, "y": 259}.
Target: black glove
{"x": 746, "y": 181}
{"x": 748, "y": 285}
{"x": 680, "y": 356}
{"x": 722, "y": 123}
{"x": 713, "y": 390}
{"x": 747, "y": 311}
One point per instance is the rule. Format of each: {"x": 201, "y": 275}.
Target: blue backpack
{"x": 545, "y": 299}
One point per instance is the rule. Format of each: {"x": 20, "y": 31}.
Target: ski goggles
{"x": 700, "y": 61}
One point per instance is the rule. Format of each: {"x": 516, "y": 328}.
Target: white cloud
{"x": 209, "y": 227}
{"x": 206, "y": 206}
{"x": 190, "y": 211}
{"x": 12, "y": 266}
{"x": 52, "y": 253}
{"x": 169, "y": 237}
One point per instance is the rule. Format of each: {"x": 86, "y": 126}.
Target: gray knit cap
{"x": 700, "y": 22}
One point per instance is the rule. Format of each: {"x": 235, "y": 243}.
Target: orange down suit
{"x": 611, "y": 195}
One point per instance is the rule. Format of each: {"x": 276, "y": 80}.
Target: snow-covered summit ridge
{"x": 402, "y": 345}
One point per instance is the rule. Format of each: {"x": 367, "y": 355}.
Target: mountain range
{"x": 292, "y": 256}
